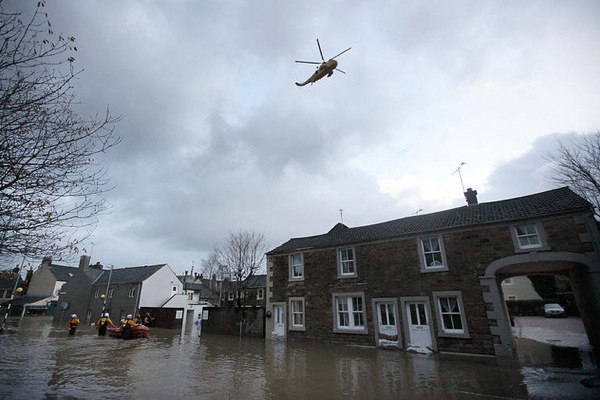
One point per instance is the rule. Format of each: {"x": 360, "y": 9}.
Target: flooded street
{"x": 40, "y": 361}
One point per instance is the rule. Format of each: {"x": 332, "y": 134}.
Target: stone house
{"x": 433, "y": 281}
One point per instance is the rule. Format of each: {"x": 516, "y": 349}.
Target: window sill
{"x": 297, "y": 328}
{"x": 434, "y": 269}
{"x": 361, "y": 331}
{"x": 531, "y": 249}
{"x": 454, "y": 335}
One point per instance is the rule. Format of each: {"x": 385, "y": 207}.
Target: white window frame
{"x": 423, "y": 254}
{"x": 260, "y": 294}
{"x": 297, "y": 310}
{"x": 231, "y": 296}
{"x": 110, "y": 292}
{"x": 293, "y": 276}
{"x": 344, "y": 261}
{"x": 349, "y": 303}
{"x": 539, "y": 233}
{"x": 96, "y": 293}
{"x": 444, "y": 330}
{"x": 131, "y": 293}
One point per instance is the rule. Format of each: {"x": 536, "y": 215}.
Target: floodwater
{"x": 40, "y": 361}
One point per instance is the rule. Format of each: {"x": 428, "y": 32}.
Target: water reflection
{"x": 41, "y": 361}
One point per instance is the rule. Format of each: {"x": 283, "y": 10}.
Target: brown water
{"x": 40, "y": 361}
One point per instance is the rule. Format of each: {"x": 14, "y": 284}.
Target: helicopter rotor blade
{"x": 318, "y": 44}
{"x": 337, "y": 69}
{"x": 310, "y": 62}
{"x": 341, "y": 53}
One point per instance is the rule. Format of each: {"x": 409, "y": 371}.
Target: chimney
{"x": 97, "y": 266}
{"x": 471, "y": 197}
{"x": 84, "y": 262}
{"x": 46, "y": 261}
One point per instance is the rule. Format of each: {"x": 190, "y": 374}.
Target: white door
{"x": 386, "y": 322}
{"x": 278, "y": 322}
{"x": 419, "y": 333}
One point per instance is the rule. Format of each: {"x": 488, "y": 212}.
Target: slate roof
{"x": 128, "y": 275}
{"x": 256, "y": 281}
{"x": 9, "y": 282}
{"x": 62, "y": 272}
{"x": 553, "y": 202}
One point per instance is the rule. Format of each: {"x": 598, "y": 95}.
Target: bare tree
{"x": 51, "y": 184}
{"x": 577, "y": 165}
{"x": 242, "y": 256}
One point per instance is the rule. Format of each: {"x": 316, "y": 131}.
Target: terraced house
{"x": 434, "y": 280}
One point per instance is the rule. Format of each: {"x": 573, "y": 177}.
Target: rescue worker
{"x": 73, "y": 323}
{"x": 138, "y": 319}
{"x": 127, "y": 327}
{"x": 148, "y": 319}
{"x": 103, "y": 323}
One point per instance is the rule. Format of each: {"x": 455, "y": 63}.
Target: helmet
{"x": 128, "y": 316}
{"x": 106, "y": 315}
{"x": 74, "y": 316}
{"x": 137, "y": 315}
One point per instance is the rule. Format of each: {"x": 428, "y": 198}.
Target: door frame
{"x": 394, "y": 300}
{"x": 283, "y": 305}
{"x": 430, "y": 318}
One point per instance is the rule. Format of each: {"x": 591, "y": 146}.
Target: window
{"x": 174, "y": 289}
{"x": 297, "y": 313}
{"x": 451, "y": 314}
{"x": 110, "y": 293}
{"x": 347, "y": 266}
{"x": 432, "y": 254}
{"x": 296, "y": 266}
{"x": 97, "y": 293}
{"x": 260, "y": 294}
{"x": 191, "y": 296}
{"x": 511, "y": 297}
{"x": 231, "y": 296}
{"x": 349, "y": 313}
{"x": 131, "y": 292}
{"x": 508, "y": 281}
{"x": 527, "y": 236}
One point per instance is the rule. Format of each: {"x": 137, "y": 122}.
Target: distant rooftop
{"x": 128, "y": 275}
{"x": 544, "y": 204}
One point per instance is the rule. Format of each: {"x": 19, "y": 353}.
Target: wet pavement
{"x": 40, "y": 361}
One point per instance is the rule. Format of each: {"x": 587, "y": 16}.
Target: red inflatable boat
{"x": 136, "y": 332}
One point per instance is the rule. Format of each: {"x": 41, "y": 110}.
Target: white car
{"x": 554, "y": 310}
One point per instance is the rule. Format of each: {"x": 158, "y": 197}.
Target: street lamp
{"x": 103, "y": 297}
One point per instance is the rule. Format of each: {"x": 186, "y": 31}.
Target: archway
{"x": 583, "y": 271}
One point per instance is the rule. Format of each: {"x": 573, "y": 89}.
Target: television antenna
{"x": 460, "y": 175}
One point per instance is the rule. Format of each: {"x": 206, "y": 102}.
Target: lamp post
{"x": 103, "y": 297}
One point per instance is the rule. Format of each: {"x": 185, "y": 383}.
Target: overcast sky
{"x": 217, "y": 138}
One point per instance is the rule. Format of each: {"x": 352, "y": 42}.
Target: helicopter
{"x": 324, "y": 68}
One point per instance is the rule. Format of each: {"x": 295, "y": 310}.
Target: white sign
{"x": 179, "y": 314}
{"x": 205, "y": 314}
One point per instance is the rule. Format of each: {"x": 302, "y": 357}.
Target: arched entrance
{"x": 583, "y": 271}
